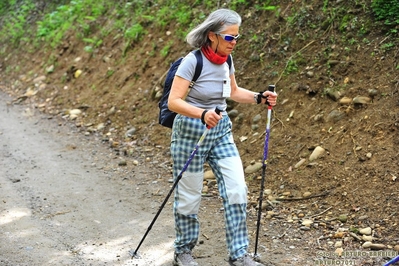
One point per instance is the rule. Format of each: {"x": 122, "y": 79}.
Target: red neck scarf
{"x": 212, "y": 56}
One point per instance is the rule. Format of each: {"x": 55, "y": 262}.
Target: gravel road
{"x": 60, "y": 204}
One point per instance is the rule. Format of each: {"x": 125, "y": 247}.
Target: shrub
{"x": 387, "y": 10}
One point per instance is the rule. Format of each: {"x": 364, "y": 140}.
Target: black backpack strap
{"x": 229, "y": 61}
{"x": 198, "y": 67}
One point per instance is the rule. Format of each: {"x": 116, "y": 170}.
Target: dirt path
{"x": 61, "y": 206}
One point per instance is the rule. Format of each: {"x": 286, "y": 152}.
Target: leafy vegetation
{"x": 81, "y": 14}
{"x": 86, "y": 17}
{"x": 129, "y": 21}
{"x": 14, "y": 28}
{"x": 388, "y": 11}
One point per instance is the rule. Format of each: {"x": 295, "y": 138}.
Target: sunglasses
{"x": 229, "y": 38}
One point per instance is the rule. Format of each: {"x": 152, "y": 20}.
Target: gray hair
{"x": 216, "y": 22}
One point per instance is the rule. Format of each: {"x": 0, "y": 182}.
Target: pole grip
{"x": 271, "y": 88}
{"x": 218, "y": 110}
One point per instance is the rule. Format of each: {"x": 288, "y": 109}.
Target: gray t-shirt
{"x": 213, "y": 85}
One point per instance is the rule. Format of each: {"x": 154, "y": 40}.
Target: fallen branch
{"x": 354, "y": 144}
{"x": 283, "y": 234}
{"x": 304, "y": 198}
{"x": 57, "y": 213}
{"x": 326, "y": 210}
{"x": 270, "y": 203}
{"x": 355, "y": 236}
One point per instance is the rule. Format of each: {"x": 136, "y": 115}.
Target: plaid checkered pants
{"x": 220, "y": 151}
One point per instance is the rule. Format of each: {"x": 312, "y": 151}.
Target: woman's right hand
{"x": 212, "y": 118}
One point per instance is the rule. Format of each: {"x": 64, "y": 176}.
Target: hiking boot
{"x": 184, "y": 259}
{"x": 245, "y": 260}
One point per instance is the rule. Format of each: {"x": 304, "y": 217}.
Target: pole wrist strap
{"x": 203, "y": 116}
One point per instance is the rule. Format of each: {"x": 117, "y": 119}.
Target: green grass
{"x": 131, "y": 20}
{"x": 15, "y": 23}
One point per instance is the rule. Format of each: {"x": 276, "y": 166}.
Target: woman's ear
{"x": 212, "y": 36}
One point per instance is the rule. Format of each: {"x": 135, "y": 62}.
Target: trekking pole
{"x": 392, "y": 261}
{"x": 262, "y": 186}
{"x": 134, "y": 253}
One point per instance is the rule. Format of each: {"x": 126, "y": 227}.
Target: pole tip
{"x": 256, "y": 257}
{"x": 134, "y": 254}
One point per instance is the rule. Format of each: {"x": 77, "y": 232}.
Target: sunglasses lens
{"x": 229, "y": 38}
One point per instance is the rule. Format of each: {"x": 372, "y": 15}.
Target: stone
{"x": 361, "y": 100}
{"x": 253, "y": 168}
{"x": 209, "y": 175}
{"x": 307, "y": 222}
{"x": 300, "y": 163}
{"x": 130, "y": 132}
{"x": 77, "y": 73}
{"x": 367, "y": 238}
{"x": 339, "y": 251}
{"x": 333, "y": 94}
{"x": 343, "y": 218}
{"x": 366, "y": 244}
{"x": 100, "y": 126}
{"x": 345, "y": 101}
{"x": 373, "y": 92}
{"x": 317, "y": 152}
{"x": 333, "y": 62}
{"x": 306, "y": 194}
{"x": 335, "y": 116}
{"x": 257, "y": 118}
{"x": 374, "y": 246}
{"x": 233, "y": 113}
{"x": 50, "y": 69}
{"x": 338, "y": 244}
{"x": 339, "y": 234}
{"x": 267, "y": 191}
{"x": 310, "y": 74}
{"x": 39, "y": 79}
{"x": 75, "y": 112}
{"x": 365, "y": 231}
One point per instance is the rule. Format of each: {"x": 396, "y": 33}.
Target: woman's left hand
{"x": 269, "y": 97}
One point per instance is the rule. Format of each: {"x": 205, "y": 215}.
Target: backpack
{"x": 166, "y": 116}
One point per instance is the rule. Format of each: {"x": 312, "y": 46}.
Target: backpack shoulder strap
{"x": 229, "y": 61}
{"x": 198, "y": 67}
